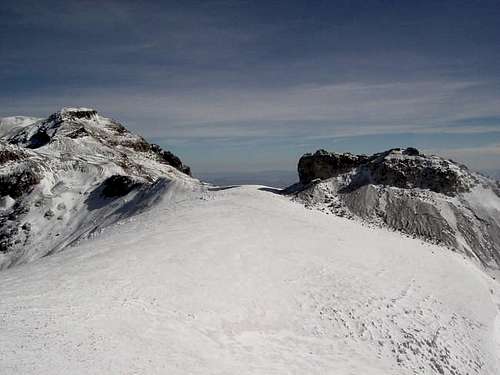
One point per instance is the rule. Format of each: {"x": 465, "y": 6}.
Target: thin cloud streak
{"x": 316, "y": 111}
{"x": 485, "y": 157}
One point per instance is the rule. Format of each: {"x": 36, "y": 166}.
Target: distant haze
{"x": 250, "y": 86}
{"x": 278, "y": 179}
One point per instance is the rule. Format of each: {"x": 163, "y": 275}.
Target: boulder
{"x": 118, "y": 186}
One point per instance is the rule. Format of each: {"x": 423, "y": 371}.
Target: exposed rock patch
{"x": 118, "y": 186}
{"x": 323, "y": 164}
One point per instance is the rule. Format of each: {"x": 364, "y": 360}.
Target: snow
{"x": 10, "y": 125}
{"x": 76, "y": 109}
{"x": 244, "y": 281}
{"x": 6, "y": 202}
{"x": 484, "y": 198}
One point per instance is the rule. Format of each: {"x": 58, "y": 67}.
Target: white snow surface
{"x": 10, "y": 125}
{"x": 244, "y": 281}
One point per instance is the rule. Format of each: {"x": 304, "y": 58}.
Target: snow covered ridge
{"x": 66, "y": 176}
{"x": 9, "y": 125}
{"x": 424, "y": 196}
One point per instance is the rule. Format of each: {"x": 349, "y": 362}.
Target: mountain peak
{"x": 70, "y": 174}
{"x": 78, "y": 113}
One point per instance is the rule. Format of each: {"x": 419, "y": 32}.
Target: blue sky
{"x": 251, "y": 85}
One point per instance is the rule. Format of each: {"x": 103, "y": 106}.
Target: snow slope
{"x": 244, "y": 281}
{"x": 67, "y": 176}
{"x": 11, "y": 125}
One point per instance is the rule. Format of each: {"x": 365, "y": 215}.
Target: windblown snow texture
{"x": 244, "y": 281}
{"x": 424, "y": 196}
{"x": 67, "y": 176}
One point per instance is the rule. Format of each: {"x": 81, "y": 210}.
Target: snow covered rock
{"x": 397, "y": 167}
{"x": 425, "y": 196}
{"x": 72, "y": 174}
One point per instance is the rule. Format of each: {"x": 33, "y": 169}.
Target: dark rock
{"x": 323, "y": 164}
{"x": 7, "y": 155}
{"x": 7, "y": 237}
{"x": 18, "y": 210}
{"x": 421, "y": 172}
{"x": 18, "y": 182}
{"x": 411, "y": 151}
{"x": 118, "y": 186}
{"x": 78, "y": 133}
{"x": 169, "y": 158}
{"x": 139, "y": 145}
{"x": 86, "y": 114}
{"x": 39, "y": 139}
{"x": 118, "y": 128}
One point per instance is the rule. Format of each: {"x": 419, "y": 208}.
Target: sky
{"x": 250, "y": 86}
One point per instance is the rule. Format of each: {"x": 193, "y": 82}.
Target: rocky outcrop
{"x": 409, "y": 169}
{"x": 168, "y": 158}
{"x": 403, "y": 168}
{"x": 118, "y": 186}
{"x": 424, "y": 196}
{"x": 18, "y": 173}
{"x": 323, "y": 164}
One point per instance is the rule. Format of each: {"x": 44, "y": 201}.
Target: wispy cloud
{"x": 244, "y": 72}
{"x": 484, "y": 157}
{"x": 307, "y": 110}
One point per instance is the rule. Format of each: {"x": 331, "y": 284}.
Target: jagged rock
{"x": 170, "y": 159}
{"x": 323, "y": 164}
{"x": 409, "y": 169}
{"x": 411, "y": 151}
{"x": 7, "y": 155}
{"x": 78, "y": 133}
{"x": 79, "y": 113}
{"x": 404, "y": 168}
{"x": 18, "y": 182}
